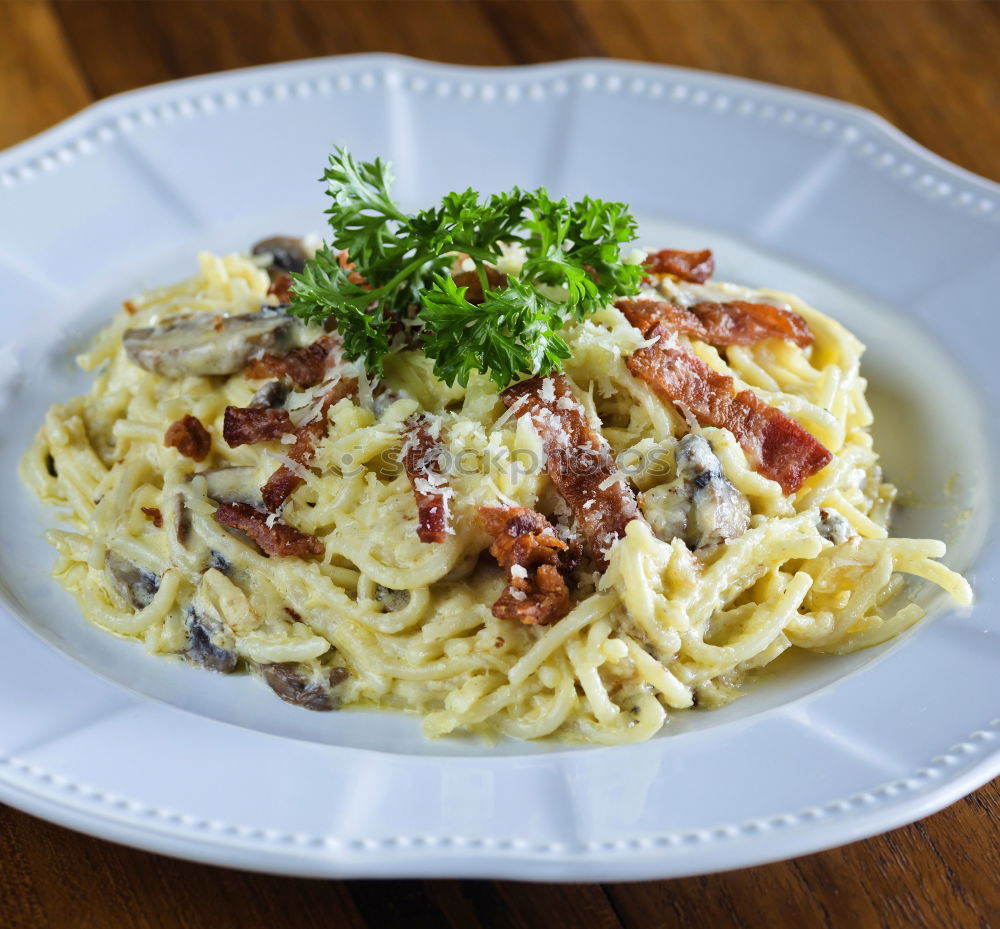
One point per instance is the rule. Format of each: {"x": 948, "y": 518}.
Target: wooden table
{"x": 932, "y": 68}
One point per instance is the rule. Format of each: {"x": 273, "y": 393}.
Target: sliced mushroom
{"x": 834, "y": 527}
{"x": 700, "y": 506}
{"x": 233, "y": 485}
{"x": 210, "y": 644}
{"x": 182, "y": 520}
{"x": 137, "y": 585}
{"x": 270, "y": 396}
{"x": 206, "y": 344}
{"x": 288, "y": 253}
{"x": 219, "y": 561}
{"x": 667, "y": 508}
{"x": 718, "y": 510}
{"x": 312, "y": 688}
{"x": 392, "y": 600}
{"x": 383, "y": 399}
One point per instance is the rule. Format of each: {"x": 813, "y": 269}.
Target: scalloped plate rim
{"x": 413, "y": 863}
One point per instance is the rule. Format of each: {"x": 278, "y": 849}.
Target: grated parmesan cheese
{"x": 617, "y": 478}
{"x": 510, "y": 412}
{"x": 366, "y": 387}
{"x": 292, "y": 465}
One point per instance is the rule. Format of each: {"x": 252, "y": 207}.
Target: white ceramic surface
{"x": 791, "y": 191}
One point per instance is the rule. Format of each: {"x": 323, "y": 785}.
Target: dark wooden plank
{"x": 456, "y": 904}
{"x": 940, "y": 872}
{"x": 38, "y": 73}
{"x": 22, "y": 903}
{"x": 785, "y": 42}
{"x": 929, "y": 66}
{"x": 402, "y": 903}
{"x": 930, "y": 874}
{"x": 500, "y": 904}
{"x": 942, "y": 63}
{"x": 117, "y": 46}
{"x": 482, "y": 904}
{"x": 129, "y": 44}
{"x": 52, "y": 878}
{"x": 443, "y": 30}
{"x": 536, "y": 32}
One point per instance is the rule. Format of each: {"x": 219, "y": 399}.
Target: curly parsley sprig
{"x": 401, "y": 262}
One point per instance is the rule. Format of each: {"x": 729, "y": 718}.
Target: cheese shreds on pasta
{"x": 369, "y": 600}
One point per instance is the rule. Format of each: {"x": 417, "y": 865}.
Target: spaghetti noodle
{"x": 362, "y": 575}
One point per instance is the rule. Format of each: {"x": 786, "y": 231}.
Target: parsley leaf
{"x": 324, "y": 284}
{"x": 399, "y": 272}
{"x": 511, "y": 333}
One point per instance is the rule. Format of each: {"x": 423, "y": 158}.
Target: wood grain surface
{"x": 932, "y": 67}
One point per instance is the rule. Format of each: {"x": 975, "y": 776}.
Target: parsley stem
{"x": 484, "y": 281}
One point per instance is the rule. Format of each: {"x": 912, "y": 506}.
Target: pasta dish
{"x": 676, "y": 488}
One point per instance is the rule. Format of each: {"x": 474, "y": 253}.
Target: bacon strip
{"x": 536, "y": 560}
{"x": 578, "y": 461}
{"x": 306, "y": 366}
{"x": 281, "y": 288}
{"x": 353, "y": 277}
{"x": 421, "y": 454}
{"x": 696, "y": 267}
{"x": 734, "y": 323}
{"x": 189, "y": 437}
{"x": 285, "y": 481}
{"x": 776, "y": 445}
{"x": 247, "y": 425}
{"x": 276, "y": 539}
{"x": 470, "y": 279}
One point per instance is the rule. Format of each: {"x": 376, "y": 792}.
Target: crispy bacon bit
{"x": 470, "y": 279}
{"x": 536, "y": 560}
{"x": 578, "y": 461}
{"x": 738, "y": 322}
{"x": 281, "y": 287}
{"x": 189, "y": 437}
{"x": 421, "y": 458}
{"x": 247, "y": 425}
{"x": 279, "y": 487}
{"x": 733, "y": 323}
{"x": 353, "y": 277}
{"x": 696, "y": 267}
{"x": 285, "y": 481}
{"x": 154, "y": 515}
{"x": 306, "y": 366}
{"x": 276, "y": 539}
{"x": 775, "y": 445}
{"x": 644, "y": 314}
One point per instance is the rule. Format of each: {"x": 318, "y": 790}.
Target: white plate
{"x": 791, "y": 191}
